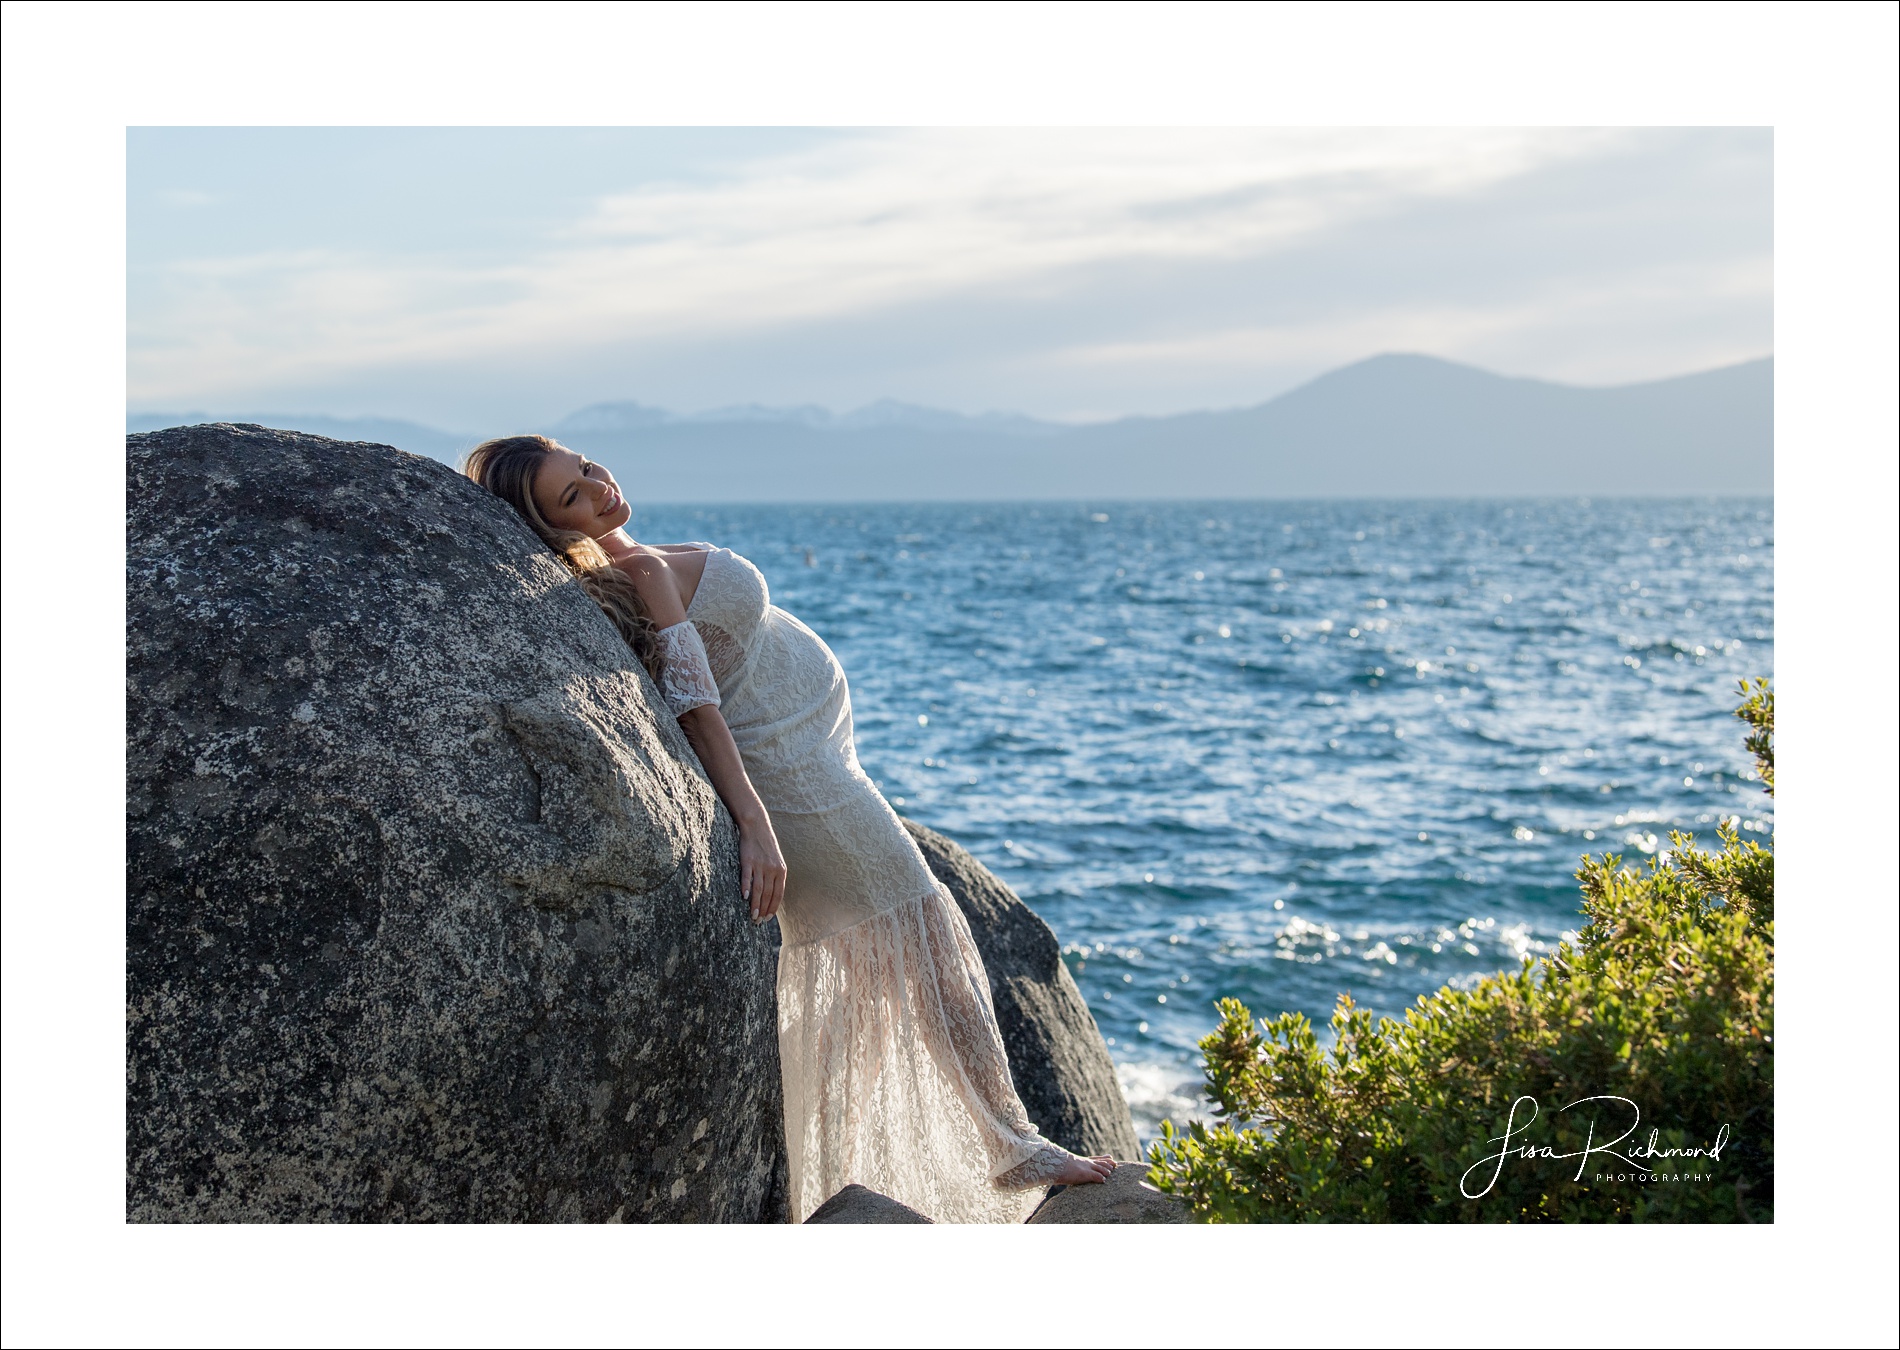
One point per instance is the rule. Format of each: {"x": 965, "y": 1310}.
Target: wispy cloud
{"x": 856, "y": 230}
{"x": 900, "y": 218}
{"x": 1488, "y": 332}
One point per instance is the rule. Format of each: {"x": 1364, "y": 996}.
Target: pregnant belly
{"x": 791, "y": 719}
{"x": 844, "y": 865}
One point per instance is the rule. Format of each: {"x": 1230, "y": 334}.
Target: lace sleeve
{"x": 686, "y": 680}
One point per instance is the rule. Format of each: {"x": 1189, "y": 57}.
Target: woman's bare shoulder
{"x": 658, "y": 584}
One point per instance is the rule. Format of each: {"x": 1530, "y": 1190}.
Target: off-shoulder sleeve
{"x": 686, "y": 680}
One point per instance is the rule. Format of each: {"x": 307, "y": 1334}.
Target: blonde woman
{"x": 894, "y": 1071}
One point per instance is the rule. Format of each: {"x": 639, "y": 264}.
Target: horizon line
{"x": 705, "y": 414}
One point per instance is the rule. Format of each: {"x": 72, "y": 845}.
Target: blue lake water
{"x": 1284, "y": 750}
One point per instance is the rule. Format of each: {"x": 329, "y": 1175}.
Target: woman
{"x": 894, "y": 1070}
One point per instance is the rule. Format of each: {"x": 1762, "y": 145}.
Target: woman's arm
{"x": 761, "y": 865}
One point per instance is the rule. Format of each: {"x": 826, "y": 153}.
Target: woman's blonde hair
{"x": 506, "y": 467}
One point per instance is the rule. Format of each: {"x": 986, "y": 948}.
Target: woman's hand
{"x": 761, "y": 870}
{"x": 761, "y": 865}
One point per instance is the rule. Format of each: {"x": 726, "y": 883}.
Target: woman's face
{"x": 574, "y": 493}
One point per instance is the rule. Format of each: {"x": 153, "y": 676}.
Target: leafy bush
{"x": 1483, "y": 1104}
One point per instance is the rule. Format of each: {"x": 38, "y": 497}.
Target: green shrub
{"x": 1483, "y": 1103}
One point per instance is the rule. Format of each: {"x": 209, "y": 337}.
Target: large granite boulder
{"x": 431, "y": 913}
{"x": 1056, "y": 1054}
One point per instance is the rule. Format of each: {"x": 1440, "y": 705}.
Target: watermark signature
{"x": 1514, "y": 1130}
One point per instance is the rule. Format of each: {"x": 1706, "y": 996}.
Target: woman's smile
{"x": 573, "y": 493}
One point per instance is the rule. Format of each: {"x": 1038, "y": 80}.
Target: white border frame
{"x": 1823, "y": 75}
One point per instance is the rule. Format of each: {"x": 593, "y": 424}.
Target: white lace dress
{"x": 895, "y": 1076}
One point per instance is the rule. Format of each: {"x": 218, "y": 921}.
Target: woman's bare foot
{"x": 1053, "y": 1165}
{"x": 1085, "y": 1171}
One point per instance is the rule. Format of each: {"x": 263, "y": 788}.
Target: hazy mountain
{"x": 885, "y": 413}
{"x": 1417, "y": 426}
{"x": 1391, "y": 426}
{"x": 611, "y": 417}
{"x": 890, "y": 413}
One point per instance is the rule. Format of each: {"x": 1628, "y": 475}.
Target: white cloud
{"x": 861, "y": 225}
{"x": 186, "y": 198}
{"x": 903, "y": 217}
{"x": 1498, "y": 335}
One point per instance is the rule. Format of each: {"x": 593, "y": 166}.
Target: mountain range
{"x": 885, "y": 414}
{"x": 1389, "y": 426}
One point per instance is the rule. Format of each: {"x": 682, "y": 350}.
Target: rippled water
{"x": 1284, "y": 750}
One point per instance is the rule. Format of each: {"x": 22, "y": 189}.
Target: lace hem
{"x": 895, "y": 1075}
{"x": 686, "y": 680}
{"x": 1040, "y": 1169}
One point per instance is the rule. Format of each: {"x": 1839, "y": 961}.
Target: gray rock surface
{"x": 1056, "y": 1054}
{"x": 861, "y": 1204}
{"x": 1126, "y": 1197}
{"x": 431, "y": 913}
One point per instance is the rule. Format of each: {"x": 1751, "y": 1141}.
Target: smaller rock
{"x": 861, "y": 1204}
{"x": 1126, "y": 1197}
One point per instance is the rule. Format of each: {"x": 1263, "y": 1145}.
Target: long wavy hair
{"x": 506, "y": 467}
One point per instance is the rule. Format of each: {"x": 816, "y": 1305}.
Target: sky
{"x": 474, "y": 278}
